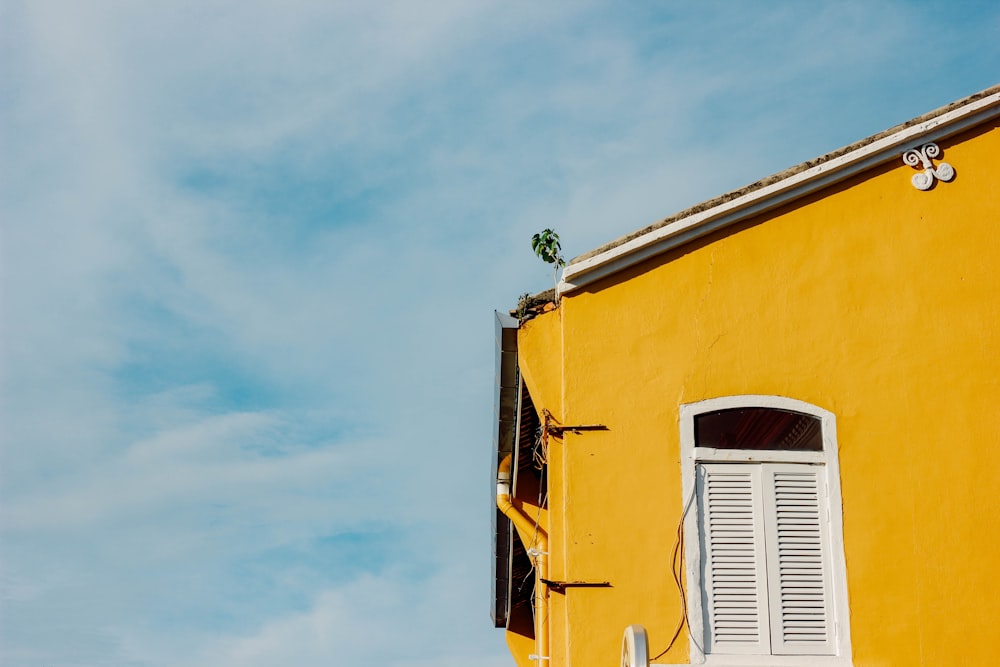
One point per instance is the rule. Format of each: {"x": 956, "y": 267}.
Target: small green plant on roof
{"x": 546, "y": 245}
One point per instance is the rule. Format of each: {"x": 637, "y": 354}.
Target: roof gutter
{"x": 800, "y": 184}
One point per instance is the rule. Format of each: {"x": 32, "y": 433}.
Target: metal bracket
{"x": 558, "y": 429}
{"x": 550, "y": 425}
{"x": 559, "y": 586}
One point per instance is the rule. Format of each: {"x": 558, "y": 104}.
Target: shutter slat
{"x": 798, "y": 563}
{"x": 734, "y": 574}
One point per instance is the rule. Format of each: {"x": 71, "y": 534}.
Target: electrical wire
{"x": 540, "y": 451}
{"x": 543, "y": 496}
{"x": 677, "y": 571}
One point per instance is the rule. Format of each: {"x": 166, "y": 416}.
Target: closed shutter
{"x": 798, "y": 560}
{"x": 733, "y": 570}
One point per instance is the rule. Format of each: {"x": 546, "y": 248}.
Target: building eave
{"x": 780, "y": 189}
{"x": 505, "y": 405}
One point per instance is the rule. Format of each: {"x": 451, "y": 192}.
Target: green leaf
{"x": 546, "y": 245}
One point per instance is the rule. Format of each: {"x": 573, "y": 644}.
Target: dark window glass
{"x": 758, "y": 428}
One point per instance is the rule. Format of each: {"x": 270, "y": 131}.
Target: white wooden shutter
{"x": 798, "y": 559}
{"x": 734, "y": 583}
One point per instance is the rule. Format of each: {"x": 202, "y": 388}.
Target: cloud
{"x": 227, "y": 459}
{"x": 371, "y": 619}
{"x": 248, "y": 254}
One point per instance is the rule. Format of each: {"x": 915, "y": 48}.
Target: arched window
{"x": 764, "y": 548}
{"x": 759, "y": 428}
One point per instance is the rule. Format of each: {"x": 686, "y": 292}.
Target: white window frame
{"x": 828, "y": 458}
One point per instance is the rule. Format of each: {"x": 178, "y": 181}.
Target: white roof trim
{"x": 771, "y": 196}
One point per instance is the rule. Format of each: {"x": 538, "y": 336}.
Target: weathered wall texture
{"x": 873, "y": 300}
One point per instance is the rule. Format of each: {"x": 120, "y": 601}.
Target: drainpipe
{"x": 538, "y": 549}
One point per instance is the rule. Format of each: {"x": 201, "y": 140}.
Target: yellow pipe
{"x": 536, "y": 541}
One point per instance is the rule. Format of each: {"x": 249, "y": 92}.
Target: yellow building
{"x": 763, "y": 430}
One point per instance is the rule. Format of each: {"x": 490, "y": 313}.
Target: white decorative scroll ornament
{"x": 921, "y": 157}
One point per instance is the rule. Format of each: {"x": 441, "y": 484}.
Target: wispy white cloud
{"x": 384, "y": 619}
{"x": 247, "y": 260}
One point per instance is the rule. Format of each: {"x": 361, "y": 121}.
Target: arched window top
{"x": 755, "y": 427}
{"x": 759, "y": 428}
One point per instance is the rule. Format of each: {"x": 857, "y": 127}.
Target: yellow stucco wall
{"x": 873, "y": 300}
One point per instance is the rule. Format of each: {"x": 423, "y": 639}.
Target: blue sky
{"x": 249, "y": 256}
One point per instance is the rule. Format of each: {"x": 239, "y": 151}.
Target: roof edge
{"x": 779, "y": 189}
